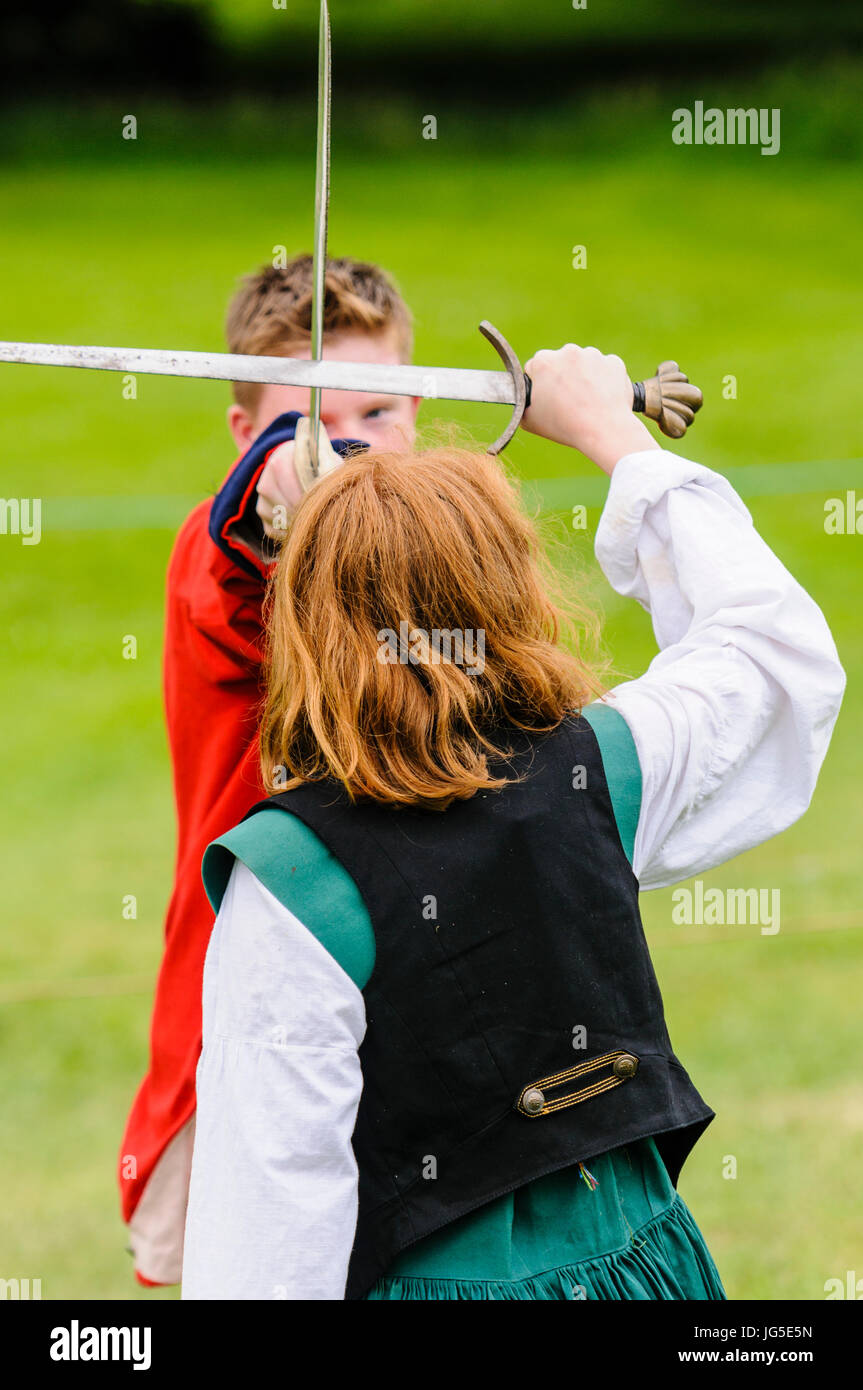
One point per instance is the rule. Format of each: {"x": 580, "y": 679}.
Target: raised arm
{"x": 732, "y": 719}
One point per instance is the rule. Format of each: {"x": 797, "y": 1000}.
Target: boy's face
{"x": 387, "y": 422}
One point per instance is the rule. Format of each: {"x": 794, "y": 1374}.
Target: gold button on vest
{"x": 627, "y": 1065}
{"x": 533, "y": 1101}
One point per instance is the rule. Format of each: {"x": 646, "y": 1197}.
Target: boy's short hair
{"x": 270, "y": 315}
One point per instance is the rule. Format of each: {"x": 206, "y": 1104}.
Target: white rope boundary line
{"x": 154, "y": 512}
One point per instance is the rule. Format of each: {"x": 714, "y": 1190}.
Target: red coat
{"x": 212, "y": 673}
{"x": 212, "y": 669}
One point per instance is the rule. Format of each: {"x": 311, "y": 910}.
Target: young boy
{"x": 215, "y": 588}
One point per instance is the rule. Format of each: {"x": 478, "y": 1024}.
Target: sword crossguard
{"x": 520, "y": 381}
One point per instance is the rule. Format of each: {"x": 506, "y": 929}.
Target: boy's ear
{"x": 242, "y": 427}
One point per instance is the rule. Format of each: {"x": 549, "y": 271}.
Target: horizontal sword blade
{"x": 431, "y": 383}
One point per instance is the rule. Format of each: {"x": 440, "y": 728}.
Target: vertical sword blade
{"x": 322, "y": 197}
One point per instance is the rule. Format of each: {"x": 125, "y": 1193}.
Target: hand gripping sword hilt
{"x": 669, "y": 397}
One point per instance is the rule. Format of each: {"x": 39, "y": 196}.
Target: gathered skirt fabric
{"x": 631, "y": 1237}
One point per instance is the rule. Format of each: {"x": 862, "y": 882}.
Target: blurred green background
{"x": 550, "y": 136}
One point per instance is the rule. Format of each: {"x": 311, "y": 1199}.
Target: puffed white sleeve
{"x": 273, "y": 1192}
{"x": 732, "y": 719}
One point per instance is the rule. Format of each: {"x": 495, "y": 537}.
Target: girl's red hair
{"x": 437, "y": 540}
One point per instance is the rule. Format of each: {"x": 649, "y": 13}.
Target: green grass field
{"x": 734, "y": 264}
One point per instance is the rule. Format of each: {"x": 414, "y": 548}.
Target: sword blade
{"x": 322, "y": 199}
{"x": 431, "y": 383}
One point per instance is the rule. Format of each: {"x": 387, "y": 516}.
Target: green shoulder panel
{"x": 622, "y": 769}
{"x": 305, "y": 877}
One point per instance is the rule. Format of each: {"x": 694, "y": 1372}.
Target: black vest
{"x": 514, "y": 1021}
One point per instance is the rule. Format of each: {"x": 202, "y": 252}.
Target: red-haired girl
{"x": 435, "y": 1062}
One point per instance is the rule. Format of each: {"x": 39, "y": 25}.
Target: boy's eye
{"x": 375, "y": 412}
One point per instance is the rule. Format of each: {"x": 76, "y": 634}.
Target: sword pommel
{"x": 669, "y": 398}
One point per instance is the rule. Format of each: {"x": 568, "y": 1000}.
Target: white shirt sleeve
{"x": 273, "y": 1193}
{"x": 732, "y": 719}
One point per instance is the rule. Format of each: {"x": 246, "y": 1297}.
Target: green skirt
{"x": 631, "y": 1236}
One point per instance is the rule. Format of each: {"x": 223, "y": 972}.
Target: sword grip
{"x": 669, "y": 398}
